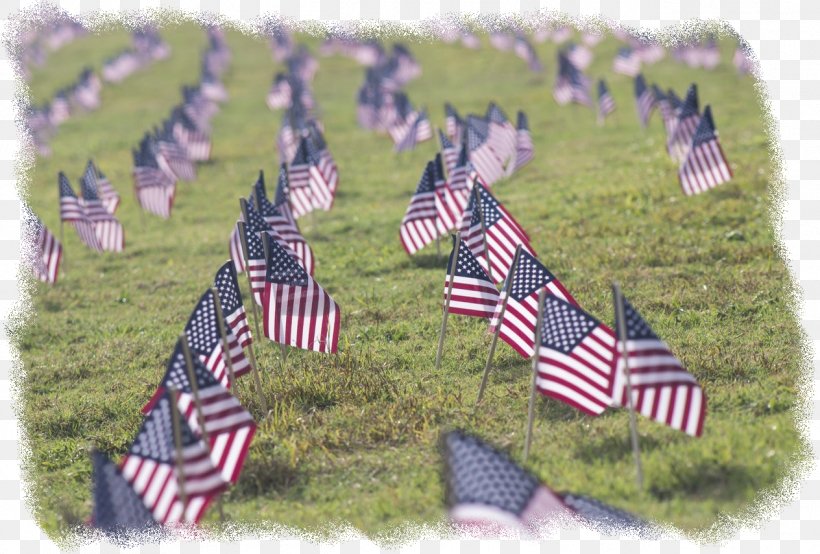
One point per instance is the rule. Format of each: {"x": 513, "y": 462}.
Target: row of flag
{"x": 48, "y": 35}
{"x": 92, "y": 214}
{"x": 168, "y": 154}
{"x": 147, "y": 47}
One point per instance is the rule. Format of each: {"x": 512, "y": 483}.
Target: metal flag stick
{"x": 620, "y": 320}
{"x": 172, "y": 392}
{"x": 483, "y": 230}
{"x": 507, "y": 286}
{"x": 531, "y": 408}
{"x": 450, "y": 271}
{"x": 266, "y": 244}
{"x": 189, "y": 365}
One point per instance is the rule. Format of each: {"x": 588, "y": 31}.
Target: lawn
{"x": 354, "y": 437}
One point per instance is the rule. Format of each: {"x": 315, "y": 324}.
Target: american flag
{"x": 279, "y": 95}
{"x": 665, "y": 108}
{"x": 516, "y": 326}
{"x": 524, "y": 50}
{"x": 501, "y": 136}
{"x": 453, "y": 123}
{"x": 501, "y": 232}
{"x": 108, "y": 229}
{"x": 606, "y": 104}
{"x": 449, "y": 151}
{"x": 117, "y": 508}
{"x": 481, "y": 153}
{"x": 230, "y": 299}
{"x": 152, "y": 468}
{"x": 709, "y": 54}
{"x": 296, "y": 310}
{"x": 644, "y": 100}
{"x": 327, "y": 165}
{"x": 459, "y": 181}
{"x": 571, "y": 85}
{"x": 579, "y": 55}
{"x": 627, "y": 62}
{"x": 448, "y": 205}
{"x": 418, "y": 227}
{"x": 305, "y": 181}
{"x": 176, "y": 158}
{"x": 155, "y": 191}
{"x": 73, "y": 211}
{"x": 662, "y": 389}
{"x": 488, "y": 492}
{"x": 418, "y": 131}
{"x": 229, "y": 426}
{"x": 576, "y": 357}
{"x": 474, "y": 293}
{"x": 196, "y": 143}
{"x": 705, "y": 166}
{"x": 523, "y": 142}
{"x": 686, "y": 123}
{"x": 109, "y": 197}
{"x": 281, "y": 198}
{"x": 48, "y": 252}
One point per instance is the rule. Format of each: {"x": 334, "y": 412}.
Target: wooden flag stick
{"x": 203, "y": 430}
{"x": 483, "y": 231}
{"x": 450, "y": 271}
{"x": 172, "y": 391}
{"x": 507, "y": 286}
{"x": 266, "y": 244}
{"x": 531, "y": 408}
{"x": 620, "y": 320}
{"x": 241, "y": 225}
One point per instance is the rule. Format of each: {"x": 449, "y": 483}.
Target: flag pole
{"x": 450, "y": 270}
{"x": 620, "y": 320}
{"x": 507, "y": 287}
{"x": 531, "y": 408}
{"x": 266, "y": 244}
{"x": 172, "y": 391}
{"x": 189, "y": 365}
{"x": 483, "y": 230}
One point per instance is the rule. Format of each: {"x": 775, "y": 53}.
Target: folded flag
{"x": 117, "y": 507}
{"x": 516, "y": 326}
{"x": 296, "y": 310}
{"x": 705, "y": 165}
{"x": 662, "y": 389}
{"x": 576, "y": 357}
{"x": 474, "y": 293}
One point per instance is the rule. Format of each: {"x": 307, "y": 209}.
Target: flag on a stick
{"x": 705, "y": 165}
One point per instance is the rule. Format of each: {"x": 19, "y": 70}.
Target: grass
{"x": 354, "y": 438}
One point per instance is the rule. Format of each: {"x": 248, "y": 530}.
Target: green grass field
{"x": 354, "y": 438}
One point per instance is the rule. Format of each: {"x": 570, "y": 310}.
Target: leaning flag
{"x": 576, "y": 357}
{"x": 488, "y": 491}
{"x": 229, "y": 426}
{"x": 705, "y": 166}
{"x": 644, "y": 100}
{"x": 517, "y": 328}
{"x": 153, "y": 470}
{"x": 606, "y": 104}
{"x": 107, "y": 227}
{"x": 523, "y": 142}
{"x": 73, "y": 211}
{"x": 205, "y": 340}
{"x": 48, "y": 252}
{"x": 662, "y": 389}
{"x": 296, "y": 310}
{"x": 117, "y": 508}
{"x": 230, "y": 299}
{"x": 501, "y": 232}
{"x": 418, "y": 227}
{"x": 474, "y": 293}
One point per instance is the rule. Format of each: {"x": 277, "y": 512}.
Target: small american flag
{"x": 627, "y": 62}
{"x": 327, "y": 165}
{"x": 196, "y": 143}
{"x": 154, "y": 189}
{"x": 453, "y": 123}
{"x": 571, "y": 85}
{"x": 579, "y": 55}
{"x": 644, "y": 100}
{"x": 665, "y": 108}
{"x": 176, "y": 158}
{"x": 151, "y": 467}
{"x": 524, "y": 50}
{"x": 523, "y": 142}
{"x": 501, "y": 136}
{"x": 117, "y": 508}
{"x": 517, "y": 328}
{"x": 662, "y": 389}
{"x": 230, "y": 428}
{"x": 419, "y": 130}
{"x": 281, "y": 198}
{"x": 296, "y": 310}
{"x": 418, "y": 227}
{"x": 73, "y": 211}
{"x": 474, "y": 293}
{"x": 448, "y": 205}
{"x": 606, "y": 104}
{"x": 501, "y": 232}
{"x": 47, "y": 254}
{"x": 109, "y": 197}
{"x": 481, "y": 153}
{"x": 108, "y": 229}
{"x": 230, "y": 299}
{"x": 576, "y": 357}
{"x": 705, "y": 166}
{"x": 305, "y": 181}
{"x": 460, "y": 181}
{"x": 449, "y": 151}
{"x": 686, "y": 123}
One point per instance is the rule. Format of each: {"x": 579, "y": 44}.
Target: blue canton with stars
{"x": 155, "y": 439}
{"x": 282, "y": 187}
{"x": 495, "y": 114}
{"x": 489, "y": 206}
{"x": 706, "y": 128}
{"x": 636, "y": 327}
{"x": 201, "y": 329}
{"x": 466, "y": 264}
{"x": 690, "y": 104}
{"x": 255, "y": 224}
{"x": 564, "y": 326}
{"x": 65, "y": 186}
{"x": 227, "y": 285}
{"x": 176, "y": 373}
{"x": 427, "y": 182}
{"x": 117, "y": 507}
{"x": 530, "y": 276}
{"x": 284, "y": 269}
{"x": 88, "y": 182}
{"x": 523, "y": 124}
